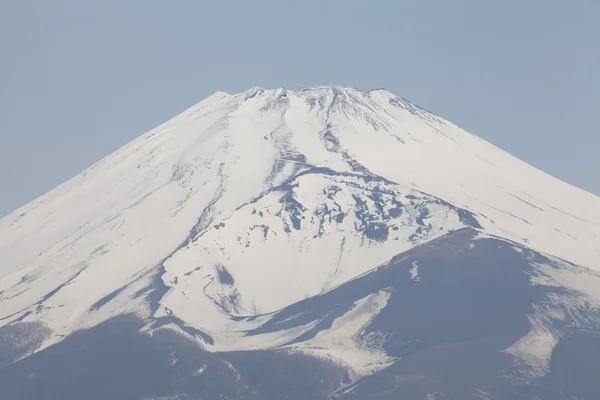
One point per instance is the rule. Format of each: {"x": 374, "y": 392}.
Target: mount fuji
{"x": 303, "y": 244}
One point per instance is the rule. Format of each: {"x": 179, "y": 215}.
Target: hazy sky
{"x": 81, "y": 78}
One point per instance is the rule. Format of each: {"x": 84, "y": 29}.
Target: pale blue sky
{"x": 81, "y": 78}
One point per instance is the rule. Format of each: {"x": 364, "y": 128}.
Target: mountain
{"x": 351, "y": 244}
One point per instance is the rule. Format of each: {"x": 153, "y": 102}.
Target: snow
{"x": 484, "y": 395}
{"x": 582, "y": 286}
{"x": 579, "y": 280}
{"x": 346, "y": 342}
{"x": 535, "y": 348}
{"x": 260, "y": 236}
{"x": 200, "y": 371}
{"x": 434, "y": 396}
{"x": 234, "y": 370}
{"x": 225, "y": 205}
{"x": 414, "y": 272}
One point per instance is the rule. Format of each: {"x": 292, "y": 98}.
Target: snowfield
{"x": 245, "y": 204}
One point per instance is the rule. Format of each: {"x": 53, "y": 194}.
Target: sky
{"x": 79, "y": 79}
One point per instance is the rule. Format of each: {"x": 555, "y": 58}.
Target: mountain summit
{"x": 305, "y": 223}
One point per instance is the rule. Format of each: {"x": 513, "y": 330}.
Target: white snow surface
{"x": 414, "y": 272}
{"x": 533, "y": 352}
{"x": 535, "y": 349}
{"x": 246, "y": 203}
{"x": 347, "y": 343}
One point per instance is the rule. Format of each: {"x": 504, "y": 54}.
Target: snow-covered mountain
{"x": 236, "y": 223}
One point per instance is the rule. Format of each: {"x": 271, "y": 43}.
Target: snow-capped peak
{"x": 246, "y": 203}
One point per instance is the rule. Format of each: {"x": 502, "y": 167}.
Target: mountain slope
{"x": 465, "y": 316}
{"x": 247, "y": 204}
{"x": 463, "y": 289}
